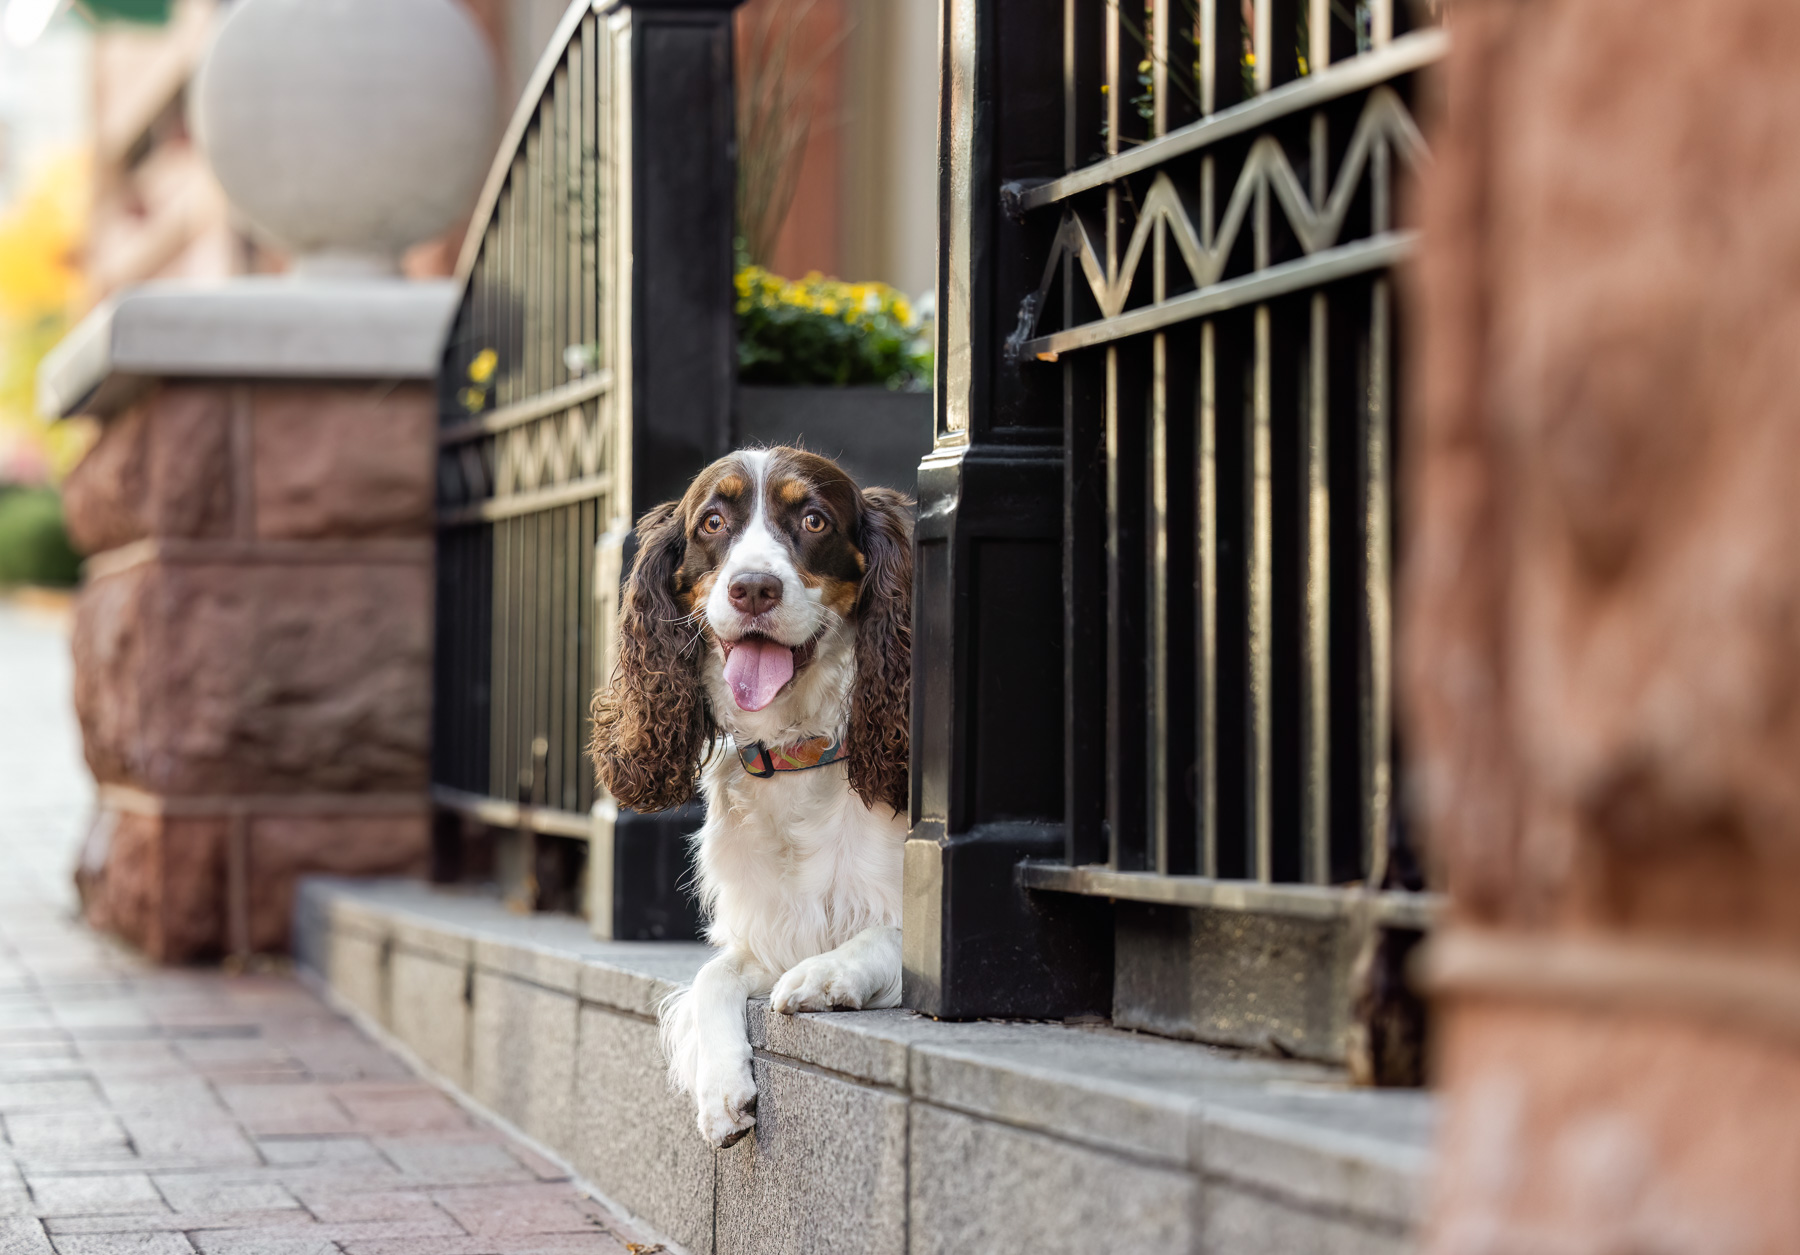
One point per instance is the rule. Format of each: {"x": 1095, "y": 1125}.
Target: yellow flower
{"x": 472, "y": 399}
{"x": 482, "y": 368}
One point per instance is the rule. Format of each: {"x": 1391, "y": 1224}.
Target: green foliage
{"x": 142, "y": 12}
{"x": 34, "y": 545}
{"x": 824, "y": 332}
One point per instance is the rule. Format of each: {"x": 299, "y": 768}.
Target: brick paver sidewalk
{"x": 169, "y": 1112}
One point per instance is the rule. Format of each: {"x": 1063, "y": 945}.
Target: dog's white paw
{"x": 818, "y": 984}
{"x": 725, "y": 1102}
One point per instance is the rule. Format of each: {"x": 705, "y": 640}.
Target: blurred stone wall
{"x": 252, "y": 652}
{"x": 1601, "y": 624}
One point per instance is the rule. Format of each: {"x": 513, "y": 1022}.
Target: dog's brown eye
{"x": 813, "y": 522}
{"x": 713, "y": 523}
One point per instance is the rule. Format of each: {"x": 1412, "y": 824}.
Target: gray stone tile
{"x": 862, "y": 1044}
{"x": 307, "y": 1151}
{"x": 123, "y": 1244}
{"x": 633, "y": 976}
{"x": 113, "y": 1194}
{"x": 636, "y": 1140}
{"x": 429, "y": 1161}
{"x": 207, "y": 1140}
{"x": 356, "y": 967}
{"x": 263, "y": 1242}
{"x": 980, "y": 1186}
{"x": 522, "y": 1055}
{"x": 66, "y": 1134}
{"x": 516, "y": 1210}
{"x": 1246, "y": 1222}
{"x": 202, "y": 1193}
{"x": 23, "y": 1235}
{"x": 429, "y": 1010}
{"x": 823, "y": 1171}
{"x": 1113, "y": 1091}
{"x": 48, "y": 1094}
{"x": 434, "y": 939}
{"x": 1293, "y": 1157}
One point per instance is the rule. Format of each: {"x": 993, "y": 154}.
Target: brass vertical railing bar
{"x": 1378, "y": 546}
{"x": 531, "y": 226}
{"x": 1113, "y": 88}
{"x": 1206, "y": 493}
{"x": 1260, "y": 590}
{"x": 1316, "y": 701}
{"x": 557, "y": 704}
{"x": 1381, "y": 23}
{"x": 1207, "y": 501}
{"x": 1315, "y": 862}
{"x": 1262, "y": 44}
{"x": 1157, "y": 763}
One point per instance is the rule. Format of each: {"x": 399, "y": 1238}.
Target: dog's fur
{"x": 799, "y": 874}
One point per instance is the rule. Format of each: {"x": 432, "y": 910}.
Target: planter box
{"x": 877, "y": 435}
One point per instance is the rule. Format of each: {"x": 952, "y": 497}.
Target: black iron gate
{"x": 1170, "y": 224}
{"x": 588, "y": 372}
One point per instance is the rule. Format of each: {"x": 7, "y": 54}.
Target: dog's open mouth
{"x": 757, "y": 668}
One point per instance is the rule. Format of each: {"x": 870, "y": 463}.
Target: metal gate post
{"x": 988, "y": 682}
{"x": 676, "y": 176}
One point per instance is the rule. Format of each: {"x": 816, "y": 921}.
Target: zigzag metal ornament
{"x": 1384, "y": 121}
{"x": 561, "y": 449}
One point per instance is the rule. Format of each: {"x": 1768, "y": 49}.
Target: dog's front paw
{"x": 725, "y": 1102}
{"x": 817, "y": 984}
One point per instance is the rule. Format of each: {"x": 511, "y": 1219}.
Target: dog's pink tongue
{"x": 756, "y": 670}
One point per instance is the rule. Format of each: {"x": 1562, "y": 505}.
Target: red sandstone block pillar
{"x": 252, "y": 651}
{"x": 1601, "y": 625}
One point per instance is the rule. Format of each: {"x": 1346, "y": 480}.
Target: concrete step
{"x": 878, "y": 1131}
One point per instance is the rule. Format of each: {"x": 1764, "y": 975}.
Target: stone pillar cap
{"x": 249, "y": 328}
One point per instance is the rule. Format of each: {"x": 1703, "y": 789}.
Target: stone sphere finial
{"x": 347, "y": 130}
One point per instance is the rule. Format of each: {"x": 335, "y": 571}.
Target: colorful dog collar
{"x": 763, "y": 762}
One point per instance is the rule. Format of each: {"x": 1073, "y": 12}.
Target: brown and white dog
{"x": 766, "y": 654}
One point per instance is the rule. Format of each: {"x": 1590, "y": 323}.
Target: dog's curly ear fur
{"x": 651, "y": 724}
{"x": 881, "y": 704}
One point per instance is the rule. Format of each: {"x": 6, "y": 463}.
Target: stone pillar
{"x": 252, "y": 651}
{"x": 253, "y": 636}
{"x": 1600, "y": 635}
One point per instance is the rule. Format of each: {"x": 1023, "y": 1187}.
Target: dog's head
{"x": 770, "y": 577}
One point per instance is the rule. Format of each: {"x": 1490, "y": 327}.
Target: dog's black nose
{"x": 755, "y": 592}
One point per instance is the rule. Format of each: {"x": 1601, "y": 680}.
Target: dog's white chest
{"x": 795, "y": 865}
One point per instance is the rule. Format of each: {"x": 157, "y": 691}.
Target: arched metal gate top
{"x": 587, "y": 373}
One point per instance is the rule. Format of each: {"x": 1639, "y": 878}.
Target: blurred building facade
{"x": 865, "y": 204}
{"x": 158, "y": 211}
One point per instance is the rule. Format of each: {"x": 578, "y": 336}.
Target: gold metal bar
{"x": 1262, "y": 44}
{"x": 1261, "y": 605}
{"x": 1377, "y": 683}
{"x": 1208, "y": 528}
{"x": 1157, "y": 707}
{"x": 1209, "y": 70}
{"x": 1318, "y": 36}
{"x": 1207, "y": 487}
{"x": 1116, "y": 661}
{"x": 1381, "y": 23}
{"x": 1113, "y": 92}
{"x": 1260, "y": 591}
{"x": 1071, "y": 154}
{"x": 1316, "y": 705}
{"x": 1159, "y": 66}
{"x": 1315, "y": 848}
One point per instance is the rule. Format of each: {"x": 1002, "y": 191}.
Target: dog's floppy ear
{"x": 881, "y": 700}
{"x": 651, "y": 724}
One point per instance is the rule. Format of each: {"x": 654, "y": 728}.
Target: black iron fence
{"x": 1155, "y": 766}
{"x": 597, "y": 294}
{"x": 1189, "y": 306}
